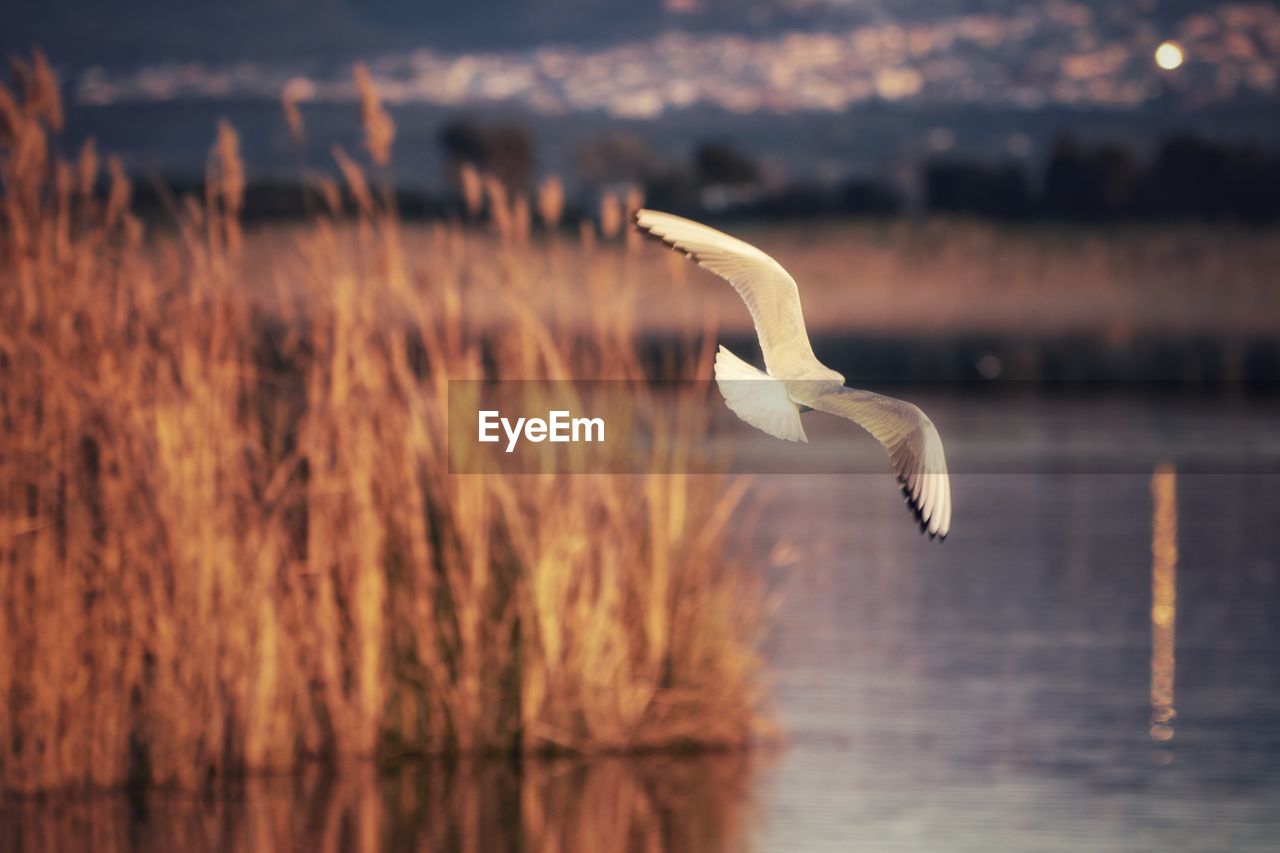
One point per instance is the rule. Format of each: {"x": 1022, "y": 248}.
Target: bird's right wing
{"x": 909, "y": 437}
{"x": 770, "y": 293}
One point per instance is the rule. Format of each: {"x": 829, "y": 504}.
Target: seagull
{"x": 794, "y": 381}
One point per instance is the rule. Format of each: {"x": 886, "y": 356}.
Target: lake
{"x": 997, "y": 692}
{"x": 1090, "y": 661}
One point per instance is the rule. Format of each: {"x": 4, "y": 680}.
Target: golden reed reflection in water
{"x": 656, "y": 804}
{"x": 1164, "y": 598}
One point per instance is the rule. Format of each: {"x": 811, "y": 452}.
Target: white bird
{"x": 794, "y": 381}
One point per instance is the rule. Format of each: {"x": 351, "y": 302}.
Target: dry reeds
{"x": 551, "y": 201}
{"x": 228, "y": 538}
{"x": 290, "y": 95}
{"x": 379, "y": 129}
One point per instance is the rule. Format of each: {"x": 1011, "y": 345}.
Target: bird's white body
{"x": 794, "y": 380}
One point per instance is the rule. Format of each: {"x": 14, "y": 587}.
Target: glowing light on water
{"x": 1164, "y": 598}
{"x": 1169, "y": 55}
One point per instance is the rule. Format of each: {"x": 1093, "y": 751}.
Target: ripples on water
{"x": 1088, "y": 663}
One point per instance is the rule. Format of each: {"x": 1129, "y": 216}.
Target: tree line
{"x": 1187, "y": 177}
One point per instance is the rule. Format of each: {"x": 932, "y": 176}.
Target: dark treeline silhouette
{"x": 1187, "y": 178}
{"x": 1000, "y": 192}
{"x": 502, "y": 150}
{"x": 721, "y": 179}
{"x": 720, "y": 164}
{"x": 158, "y": 200}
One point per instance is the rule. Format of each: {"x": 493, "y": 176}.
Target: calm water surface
{"x": 1090, "y": 662}
{"x": 1008, "y": 690}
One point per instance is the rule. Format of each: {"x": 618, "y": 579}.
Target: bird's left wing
{"x": 769, "y": 291}
{"x": 909, "y": 437}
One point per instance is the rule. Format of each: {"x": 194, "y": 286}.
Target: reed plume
{"x": 379, "y": 129}
{"x": 290, "y": 95}
{"x": 610, "y": 216}
{"x": 551, "y": 201}
{"x": 472, "y": 188}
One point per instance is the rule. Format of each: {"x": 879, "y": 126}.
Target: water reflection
{"x": 986, "y": 694}
{"x": 655, "y": 804}
{"x": 1164, "y": 598}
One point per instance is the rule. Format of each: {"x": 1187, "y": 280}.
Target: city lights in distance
{"x": 1169, "y": 55}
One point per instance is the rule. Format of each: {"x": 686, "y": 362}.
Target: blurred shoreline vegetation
{"x": 229, "y": 541}
{"x": 1187, "y": 178}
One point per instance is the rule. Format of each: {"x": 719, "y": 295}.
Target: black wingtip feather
{"x": 918, "y": 513}
{"x": 658, "y": 238}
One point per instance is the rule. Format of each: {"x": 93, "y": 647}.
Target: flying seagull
{"x": 794, "y": 381}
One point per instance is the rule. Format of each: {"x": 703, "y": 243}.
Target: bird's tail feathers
{"x": 758, "y": 398}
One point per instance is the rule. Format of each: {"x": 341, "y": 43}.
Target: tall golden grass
{"x": 228, "y": 538}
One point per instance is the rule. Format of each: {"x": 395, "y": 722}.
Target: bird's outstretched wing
{"x": 770, "y": 293}
{"x": 909, "y": 437}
